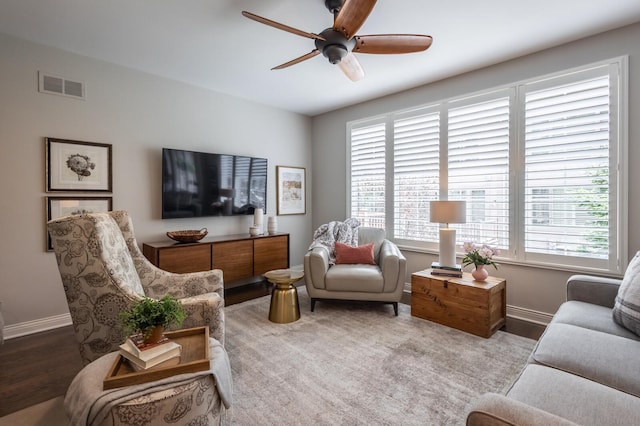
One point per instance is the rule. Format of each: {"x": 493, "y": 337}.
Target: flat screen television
{"x": 197, "y": 184}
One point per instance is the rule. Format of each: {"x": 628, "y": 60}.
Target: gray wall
{"x": 532, "y": 293}
{"x": 138, "y": 114}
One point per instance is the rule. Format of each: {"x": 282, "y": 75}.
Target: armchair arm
{"x": 316, "y": 265}
{"x": 205, "y": 310}
{"x": 596, "y": 290}
{"x": 392, "y": 264}
{"x": 183, "y": 285}
{"x": 492, "y": 409}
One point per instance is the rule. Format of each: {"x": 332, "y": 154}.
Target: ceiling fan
{"x": 338, "y": 43}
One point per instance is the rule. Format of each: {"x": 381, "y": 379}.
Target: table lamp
{"x": 448, "y": 212}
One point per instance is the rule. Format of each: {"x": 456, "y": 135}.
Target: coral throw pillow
{"x": 345, "y": 254}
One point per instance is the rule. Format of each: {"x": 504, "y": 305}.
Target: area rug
{"x": 358, "y": 364}
{"x": 348, "y": 364}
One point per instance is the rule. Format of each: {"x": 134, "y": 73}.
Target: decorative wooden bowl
{"x": 188, "y": 236}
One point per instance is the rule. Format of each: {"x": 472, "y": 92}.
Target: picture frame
{"x": 65, "y": 206}
{"x": 77, "y": 166}
{"x": 291, "y": 190}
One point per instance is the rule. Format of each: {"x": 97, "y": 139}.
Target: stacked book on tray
{"x": 446, "y": 271}
{"x": 141, "y": 356}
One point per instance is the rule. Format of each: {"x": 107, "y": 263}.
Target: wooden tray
{"x": 194, "y": 357}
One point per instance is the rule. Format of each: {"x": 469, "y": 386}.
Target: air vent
{"x": 56, "y": 85}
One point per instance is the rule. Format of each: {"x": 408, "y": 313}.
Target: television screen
{"x": 196, "y": 184}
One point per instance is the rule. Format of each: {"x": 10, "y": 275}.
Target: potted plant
{"x": 150, "y": 317}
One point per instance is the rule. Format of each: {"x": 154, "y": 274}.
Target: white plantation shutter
{"x": 541, "y": 164}
{"x": 478, "y": 162}
{"x": 416, "y": 144}
{"x": 368, "y": 174}
{"x": 567, "y": 161}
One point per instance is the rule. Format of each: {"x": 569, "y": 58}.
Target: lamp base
{"x": 447, "y": 247}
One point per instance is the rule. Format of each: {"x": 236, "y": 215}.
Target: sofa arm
{"x": 392, "y": 264}
{"x": 316, "y": 265}
{"x": 590, "y": 289}
{"x": 492, "y": 409}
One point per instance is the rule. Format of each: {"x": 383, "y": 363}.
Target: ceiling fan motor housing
{"x": 335, "y": 46}
{"x": 334, "y": 6}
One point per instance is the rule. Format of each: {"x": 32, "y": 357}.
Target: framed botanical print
{"x": 77, "y": 166}
{"x": 291, "y": 191}
{"x": 66, "y": 206}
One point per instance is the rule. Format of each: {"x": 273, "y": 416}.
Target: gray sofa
{"x": 382, "y": 282}
{"x": 584, "y": 370}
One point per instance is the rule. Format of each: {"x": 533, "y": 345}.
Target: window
{"x": 567, "y": 157}
{"x": 416, "y": 148}
{"x": 478, "y": 167}
{"x": 368, "y": 175}
{"x": 538, "y": 163}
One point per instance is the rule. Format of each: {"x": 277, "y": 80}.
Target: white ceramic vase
{"x": 272, "y": 225}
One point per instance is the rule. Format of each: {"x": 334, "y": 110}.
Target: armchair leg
{"x": 395, "y": 308}
{"x": 313, "y": 304}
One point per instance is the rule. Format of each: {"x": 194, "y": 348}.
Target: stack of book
{"x": 446, "y": 271}
{"x": 145, "y": 356}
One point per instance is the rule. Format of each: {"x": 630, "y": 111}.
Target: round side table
{"x": 284, "y": 299}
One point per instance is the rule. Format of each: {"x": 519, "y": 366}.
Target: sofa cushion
{"x": 626, "y": 310}
{"x": 348, "y": 255}
{"x": 594, "y": 317}
{"x": 365, "y": 278}
{"x": 604, "y": 358}
{"x": 574, "y": 398}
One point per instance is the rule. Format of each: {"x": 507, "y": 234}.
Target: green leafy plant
{"x": 143, "y": 316}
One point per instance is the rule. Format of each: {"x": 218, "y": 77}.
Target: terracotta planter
{"x": 156, "y": 335}
{"x": 480, "y": 273}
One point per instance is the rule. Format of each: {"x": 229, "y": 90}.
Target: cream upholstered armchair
{"x": 103, "y": 272}
{"x": 381, "y": 281}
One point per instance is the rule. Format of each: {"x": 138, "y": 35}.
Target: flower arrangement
{"x": 479, "y": 255}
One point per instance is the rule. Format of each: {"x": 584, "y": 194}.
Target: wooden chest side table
{"x": 476, "y": 307}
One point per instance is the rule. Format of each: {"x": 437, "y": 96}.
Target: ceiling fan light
{"x": 335, "y": 53}
{"x": 351, "y": 67}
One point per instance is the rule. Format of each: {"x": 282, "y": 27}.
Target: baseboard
{"x": 44, "y": 324}
{"x": 529, "y": 315}
{"x": 36, "y": 326}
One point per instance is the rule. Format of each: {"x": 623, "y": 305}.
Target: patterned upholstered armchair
{"x": 103, "y": 272}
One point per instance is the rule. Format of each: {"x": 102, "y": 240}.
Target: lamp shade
{"x": 448, "y": 211}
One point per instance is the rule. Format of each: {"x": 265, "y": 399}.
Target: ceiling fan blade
{"x": 392, "y": 43}
{"x": 352, "y": 15}
{"x": 309, "y": 55}
{"x": 280, "y": 26}
{"x": 351, "y": 67}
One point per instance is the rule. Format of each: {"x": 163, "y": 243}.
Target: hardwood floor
{"x": 41, "y": 366}
{"x": 36, "y": 368}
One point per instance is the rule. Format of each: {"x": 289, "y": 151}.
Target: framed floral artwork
{"x": 66, "y": 206}
{"x": 291, "y": 190}
{"x": 77, "y": 166}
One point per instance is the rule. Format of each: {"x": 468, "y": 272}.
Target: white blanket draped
{"x": 344, "y": 232}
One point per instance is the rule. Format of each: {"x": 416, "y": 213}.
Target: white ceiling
{"x": 209, "y": 44}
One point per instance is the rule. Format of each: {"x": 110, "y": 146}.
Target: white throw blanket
{"x": 86, "y": 403}
{"x": 343, "y": 232}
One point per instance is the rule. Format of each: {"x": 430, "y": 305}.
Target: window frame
{"x": 618, "y": 167}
